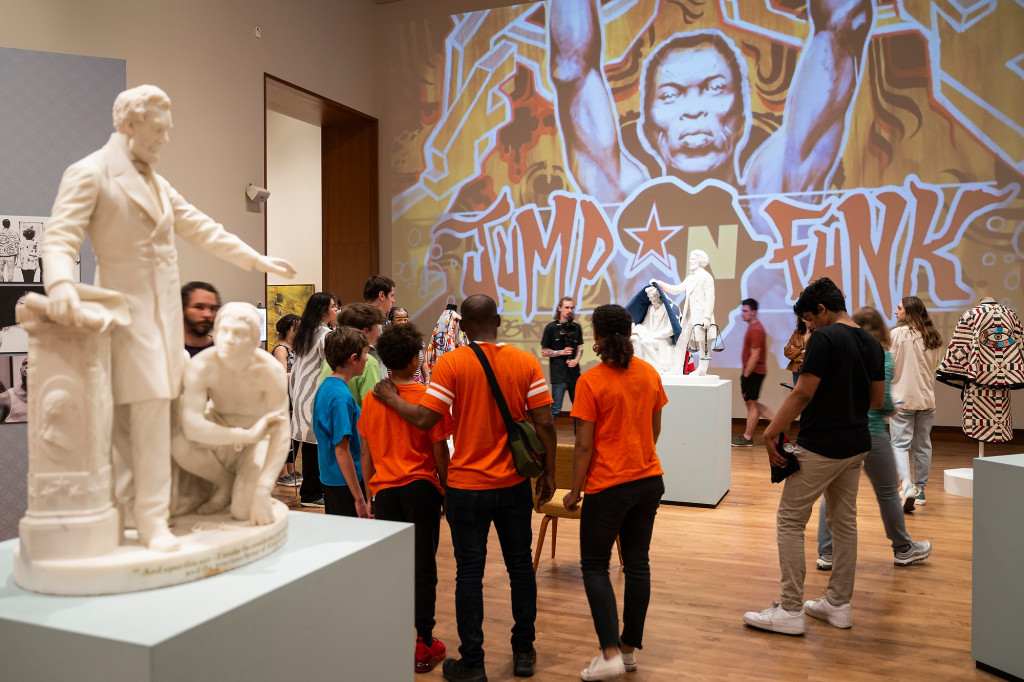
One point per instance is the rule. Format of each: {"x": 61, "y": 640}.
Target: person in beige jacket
{"x": 131, "y": 216}
{"x": 916, "y": 351}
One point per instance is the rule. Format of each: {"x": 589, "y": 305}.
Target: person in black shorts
{"x": 754, "y": 369}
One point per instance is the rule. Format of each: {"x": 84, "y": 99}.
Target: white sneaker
{"x": 823, "y": 609}
{"x": 776, "y": 619}
{"x": 602, "y": 668}
{"x": 629, "y": 660}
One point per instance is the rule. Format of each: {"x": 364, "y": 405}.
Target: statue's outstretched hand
{"x": 275, "y": 266}
{"x": 64, "y": 306}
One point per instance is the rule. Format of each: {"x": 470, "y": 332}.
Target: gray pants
{"x": 911, "y": 432}
{"x": 882, "y": 473}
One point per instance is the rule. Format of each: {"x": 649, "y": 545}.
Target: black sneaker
{"x": 460, "y": 671}
{"x": 742, "y": 441}
{"x": 319, "y": 502}
{"x": 523, "y": 662}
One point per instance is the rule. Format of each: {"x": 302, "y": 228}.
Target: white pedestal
{"x": 997, "y": 610}
{"x": 959, "y": 482}
{"x": 338, "y": 596}
{"x": 694, "y": 445}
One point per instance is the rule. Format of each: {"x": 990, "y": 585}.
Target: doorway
{"x": 349, "y": 186}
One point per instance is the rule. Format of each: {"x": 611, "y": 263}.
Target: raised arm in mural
{"x": 696, "y": 104}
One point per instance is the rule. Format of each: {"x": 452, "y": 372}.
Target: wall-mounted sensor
{"x": 260, "y": 194}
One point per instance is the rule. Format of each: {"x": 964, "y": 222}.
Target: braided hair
{"x": 613, "y": 324}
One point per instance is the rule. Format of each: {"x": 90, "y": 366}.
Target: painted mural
{"x": 582, "y": 148}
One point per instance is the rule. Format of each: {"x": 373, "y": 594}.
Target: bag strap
{"x": 513, "y": 433}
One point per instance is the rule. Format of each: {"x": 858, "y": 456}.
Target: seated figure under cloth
{"x": 234, "y": 409}
{"x": 656, "y": 332}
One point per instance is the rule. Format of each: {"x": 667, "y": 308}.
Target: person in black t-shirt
{"x": 562, "y": 344}
{"x": 843, "y": 375}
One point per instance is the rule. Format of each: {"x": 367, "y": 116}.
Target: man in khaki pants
{"x": 843, "y": 375}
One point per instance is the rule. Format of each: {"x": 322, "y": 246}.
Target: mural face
{"x": 574, "y": 148}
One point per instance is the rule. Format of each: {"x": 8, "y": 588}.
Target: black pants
{"x": 338, "y": 500}
{"x": 418, "y": 503}
{"x": 470, "y": 514}
{"x": 311, "y": 490}
{"x": 625, "y": 511}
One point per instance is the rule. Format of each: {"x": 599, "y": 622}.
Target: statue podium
{"x": 70, "y": 514}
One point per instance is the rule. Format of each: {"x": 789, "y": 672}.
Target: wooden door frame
{"x": 349, "y": 183}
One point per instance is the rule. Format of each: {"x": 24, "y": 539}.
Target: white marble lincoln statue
{"x": 234, "y": 417}
{"x": 131, "y": 216}
{"x": 698, "y": 305}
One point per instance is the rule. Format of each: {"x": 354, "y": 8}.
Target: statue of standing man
{"x": 698, "y": 307}
{"x": 131, "y": 216}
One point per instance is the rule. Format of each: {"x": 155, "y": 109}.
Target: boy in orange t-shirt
{"x": 406, "y": 471}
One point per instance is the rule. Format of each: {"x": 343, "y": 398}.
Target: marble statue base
{"x": 690, "y": 379}
{"x": 210, "y": 544}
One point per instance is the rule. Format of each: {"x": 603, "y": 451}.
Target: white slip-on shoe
{"x": 602, "y": 668}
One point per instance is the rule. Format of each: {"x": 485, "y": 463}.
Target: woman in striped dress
{"x": 321, "y": 311}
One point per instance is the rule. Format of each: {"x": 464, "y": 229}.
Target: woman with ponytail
{"x": 618, "y": 419}
{"x": 916, "y": 352}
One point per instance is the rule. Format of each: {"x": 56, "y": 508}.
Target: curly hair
{"x": 917, "y": 319}
{"x": 612, "y": 326}
{"x": 398, "y": 345}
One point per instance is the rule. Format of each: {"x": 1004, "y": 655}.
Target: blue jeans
{"x": 911, "y": 432}
{"x": 470, "y": 514}
{"x": 625, "y": 511}
{"x": 880, "y": 470}
{"x": 558, "y": 395}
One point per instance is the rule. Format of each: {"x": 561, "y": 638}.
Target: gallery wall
{"x": 206, "y": 56}
{"x": 208, "y": 59}
{"x": 295, "y": 211}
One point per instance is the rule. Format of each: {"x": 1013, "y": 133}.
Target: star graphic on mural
{"x": 652, "y": 241}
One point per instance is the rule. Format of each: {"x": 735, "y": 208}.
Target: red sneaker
{"x": 428, "y": 657}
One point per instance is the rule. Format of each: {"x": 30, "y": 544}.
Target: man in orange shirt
{"x": 483, "y": 485}
{"x": 406, "y": 470}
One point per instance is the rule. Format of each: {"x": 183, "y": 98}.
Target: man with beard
{"x": 696, "y": 110}
{"x": 200, "y": 302}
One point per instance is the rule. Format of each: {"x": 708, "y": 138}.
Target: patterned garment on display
{"x": 447, "y": 336}
{"x": 987, "y": 349}
{"x": 987, "y": 414}
{"x": 985, "y": 359}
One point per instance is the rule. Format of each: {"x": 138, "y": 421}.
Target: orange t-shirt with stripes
{"x": 482, "y": 459}
{"x": 620, "y": 403}
{"x": 401, "y": 452}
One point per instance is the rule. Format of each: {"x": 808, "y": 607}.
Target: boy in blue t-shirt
{"x": 335, "y": 414}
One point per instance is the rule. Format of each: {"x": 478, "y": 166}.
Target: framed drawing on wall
{"x": 284, "y": 299}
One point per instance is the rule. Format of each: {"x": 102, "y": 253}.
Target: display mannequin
{"x": 656, "y": 334}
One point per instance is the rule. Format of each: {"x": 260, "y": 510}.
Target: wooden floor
{"x": 708, "y": 566}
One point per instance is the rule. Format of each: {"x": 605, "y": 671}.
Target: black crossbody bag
{"x": 528, "y": 452}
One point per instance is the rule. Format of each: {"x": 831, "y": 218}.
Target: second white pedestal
{"x": 694, "y": 445}
{"x": 338, "y": 596}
